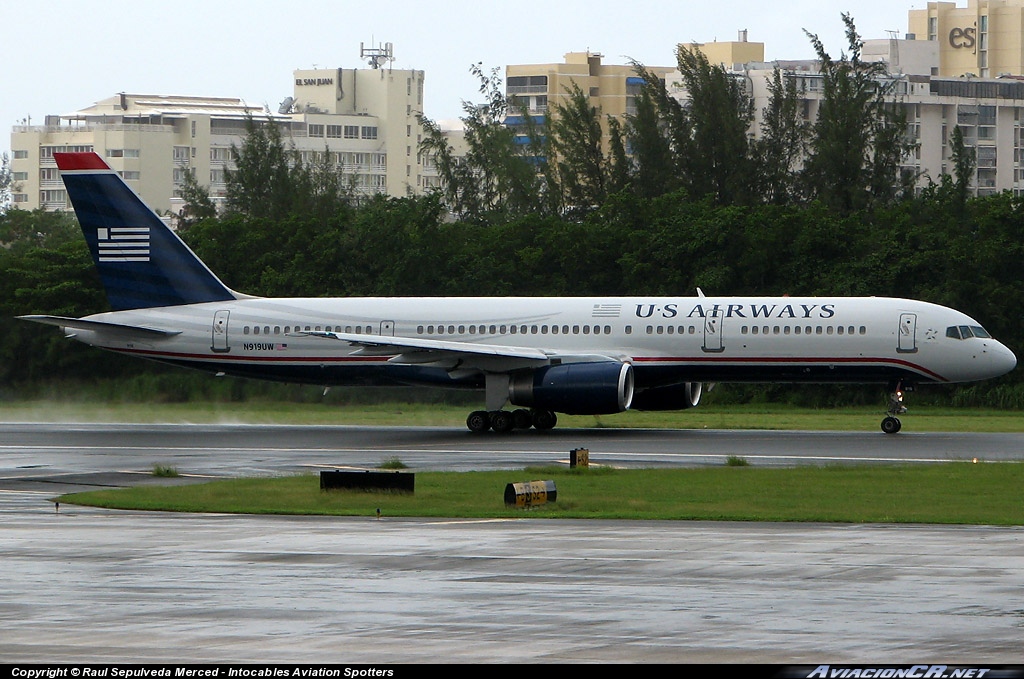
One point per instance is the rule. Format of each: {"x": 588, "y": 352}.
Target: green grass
{"x": 950, "y": 493}
{"x": 772, "y": 417}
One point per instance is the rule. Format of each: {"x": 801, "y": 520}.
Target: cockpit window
{"x": 967, "y": 332}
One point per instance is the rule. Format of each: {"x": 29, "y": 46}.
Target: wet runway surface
{"x": 104, "y": 586}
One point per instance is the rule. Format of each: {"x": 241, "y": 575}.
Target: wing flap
{"x": 461, "y": 355}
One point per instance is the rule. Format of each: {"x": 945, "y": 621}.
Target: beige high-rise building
{"x": 984, "y": 39}
{"x": 366, "y": 118}
{"x": 610, "y": 88}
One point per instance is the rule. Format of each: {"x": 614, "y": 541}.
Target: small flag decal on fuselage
{"x": 606, "y": 310}
{"x": 123, "y": 244}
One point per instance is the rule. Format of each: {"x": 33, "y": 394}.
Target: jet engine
{"x": 575, "y": 388}
{"x": 670, "y": 397}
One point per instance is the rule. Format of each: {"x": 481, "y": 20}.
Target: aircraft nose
{"x": 1003, "y": 360}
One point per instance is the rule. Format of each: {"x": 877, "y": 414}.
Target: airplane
{"x": 542, "y": 355}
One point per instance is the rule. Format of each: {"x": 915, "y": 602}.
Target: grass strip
{"x": 949, "y": 493}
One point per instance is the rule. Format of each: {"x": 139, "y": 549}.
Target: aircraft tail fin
{"x": 141, "y": 261}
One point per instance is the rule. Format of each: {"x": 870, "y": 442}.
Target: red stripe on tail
{"x": 79, "y": 161}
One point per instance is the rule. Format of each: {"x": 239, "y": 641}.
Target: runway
{"x": 88, "y": 585}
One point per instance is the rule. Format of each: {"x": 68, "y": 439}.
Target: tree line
{"x": 698, "y": 200}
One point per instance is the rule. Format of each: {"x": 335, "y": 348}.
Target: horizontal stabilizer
{"x": 102, "y": 327}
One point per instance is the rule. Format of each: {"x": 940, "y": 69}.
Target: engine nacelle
{"x": 671, "y": 397}
{"x": 575, "y": 388}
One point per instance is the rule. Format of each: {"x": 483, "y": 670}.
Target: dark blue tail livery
{"x": 142, "y": 263}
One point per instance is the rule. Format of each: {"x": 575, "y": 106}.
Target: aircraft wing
{"x": 463, "y": 355}
{"x": 102, "y": 327}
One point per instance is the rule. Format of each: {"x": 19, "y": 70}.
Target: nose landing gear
{"x": 891, "y": 424}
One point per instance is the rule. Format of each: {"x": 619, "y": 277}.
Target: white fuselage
{"x": 667, "y": 340}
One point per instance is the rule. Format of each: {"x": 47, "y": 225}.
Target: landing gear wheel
{"x": 544, "y": 419}
{"x": 502, "y": 421}
{"x": 522, "y": 418}
{"x": 891, "y": 425}
{"x": 478, "y": 421}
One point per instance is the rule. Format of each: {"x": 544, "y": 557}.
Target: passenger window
{"x": 245, "y": 330}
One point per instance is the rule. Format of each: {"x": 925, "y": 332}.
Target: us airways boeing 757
{"x": 542, "y": 356}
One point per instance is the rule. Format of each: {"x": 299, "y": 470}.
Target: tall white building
{"x": 989, "y": 111}
{"x": 367, "y": 119}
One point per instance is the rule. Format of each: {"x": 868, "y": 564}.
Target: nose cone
{"x": 1001, "y": 359}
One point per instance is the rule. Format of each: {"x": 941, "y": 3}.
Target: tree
{"x": 499, "y": 174}
{"x": 6, "y": 182}
{"x": 271, "y": 180}
{"x": 575, "y": 143}
{"x": 261, "y": 183}
{"x": 780, "y": 148}
{"x": 197, "y": 204}
{"x": 963, "y": 165}
{"x": 715, "y": 151}
{"x": 859, "y": 137}
{"x": 658, "y": 123}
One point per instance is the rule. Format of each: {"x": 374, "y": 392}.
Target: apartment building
{"x": 367, "y": 119}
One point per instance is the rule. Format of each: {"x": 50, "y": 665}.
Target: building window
{"x": 129, "y": 175}
{"x": 20, "y": 154}
{"x": 52, "y": 197}
{"x": 317, "y": 130}
{"x": 369, "y": 132}
{"x": 351, "y": 132}
{"x": 334, "y": 131}
{"x": 20, "y": 197}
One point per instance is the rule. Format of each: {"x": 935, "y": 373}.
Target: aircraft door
{"x": 713, "y": 331}
{"x": 908, "y": 334}
{"x": 220, "y": 332}
{"x": 387, "y": 328}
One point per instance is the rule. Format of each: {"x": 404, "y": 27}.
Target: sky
{"x": 64, "y": 55}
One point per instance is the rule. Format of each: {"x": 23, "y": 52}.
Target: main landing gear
{"x": 891, "y": 424}
{"x": 503, "y": 421}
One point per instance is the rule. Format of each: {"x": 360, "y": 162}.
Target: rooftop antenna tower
{"x": 377, "y": 56}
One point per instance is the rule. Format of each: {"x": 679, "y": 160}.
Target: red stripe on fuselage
{"x": 792, "y": 361}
